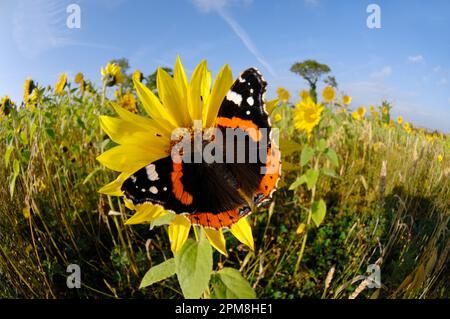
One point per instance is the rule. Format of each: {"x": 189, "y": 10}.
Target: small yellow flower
{"x": 79, "y": 78}
{"x": 407, "y": 127}
{"x": 128, "y": 102}
{"x": 307, "y": 115}
{"x": 283, "y": 94}
{"x": 329, "y": 94}
{"x": 62, "y": 82}
{"x": 361, "y": 111}
{"x": 28, "y": 90}
{"x": 304, "y": 94}
{"x": 6, "y": 105}
{"x": 400, "y": 120}
{"x": 355, "y": 115}
{"x": 372, "y": 108}
{"x": 277, "y": 118}
{"x": 346, "y": 99}
{"x": 137, "y": 76}
{"x": 112, "y": 74}
{"x": 440, "y": 158}
{"x": 385, "y": 110}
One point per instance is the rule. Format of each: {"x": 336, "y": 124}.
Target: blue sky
{"x": 407, "y": 61}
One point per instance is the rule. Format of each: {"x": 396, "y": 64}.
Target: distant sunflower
{"x": 137, "y": 76}
{"x": 361, "y": 111}
{"x": 283, "y": 94}
{"x": 329, "y": 94}
{"x": 346, "y": 99}
{"x": 400, "y": 120}
{"x": 407, "y": 127}
{"x": 127, "y": 101}
{"x": 307, "y": 115}
{"x": 112, "y": 74}
{"x": 28, "y": 89}
{"x": 62, "y": 82}
{"x": 144, "y": 140}
{"x": 304, "y": 94}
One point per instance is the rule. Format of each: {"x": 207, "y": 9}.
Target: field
{"x": 384, "y": 188}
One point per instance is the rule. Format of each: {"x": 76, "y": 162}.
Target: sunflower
{"x": 127, "y": 101}
{"x": 407, "y": 127}
{"x": 137, "y": 76}
{"x": 385, "y": 110}
{"x": 355, "y": 115}
{"x": 283, "y": 94}
{"x": 304, "y": 94}
{"x": 307, "y": 115}
{"x": 440, "y": 158}
{"x": 79, "y": 78}
{"x": 400, "y": 120}
{"x": 346, "y": 99}
{"x": 6, "y": 105}
{"x": 62, "y": 82}
{"x": 361, "y": 111}
{"x": 329, "y": 94}
{"x": 112, "y": 74}
{"x": 143, "y": 140}
{"x": 277, "y": 118}
{"x": 28, "y": 89}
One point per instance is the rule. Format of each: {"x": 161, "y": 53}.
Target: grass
{"x": 388, "y": 205}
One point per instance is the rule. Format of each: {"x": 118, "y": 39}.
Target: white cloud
{"x": 219, "y": 6}
{"x": 416, "y": 58}
{"x": 383, "y": 73}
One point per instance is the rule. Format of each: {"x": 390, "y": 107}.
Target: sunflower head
{"x": 62, "y": 82}
{"x": 180, "y": 103}
{"x": 440, "y": 158}
{"x": 400, "y": 120}
{"x": 283, "y": 94}
{"x": 28, "y": 89}
{"x": 128, "y": 101}
{"x": 329, "y": 94}
{"x": 407, "y": 127}
{"x": 346, "y": 99}
{"x": 361, "y": 111}
{"x": 79, "y": 78}
{"x": 112, "y": 74}
{"x": 6, "y": 105}
{"x": 307, "y": 115}
{"x": 137, "y": 76}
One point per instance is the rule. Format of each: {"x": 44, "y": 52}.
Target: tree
{"x": 331, "y": 81}
{"x": 311, "y": 71}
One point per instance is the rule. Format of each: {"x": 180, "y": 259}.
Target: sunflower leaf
{"x": 193, "y": 266}
{"x": 228, "y": 283}
{"x": 159, "y": 272}
{"x": 307, "y": 154}
{"x": 319, "y": 209}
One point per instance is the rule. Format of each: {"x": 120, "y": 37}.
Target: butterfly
{"x": 217, "y": 194}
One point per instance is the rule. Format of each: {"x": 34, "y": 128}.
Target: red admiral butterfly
{"x": 218, "y": 194}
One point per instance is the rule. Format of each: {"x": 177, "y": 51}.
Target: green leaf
{"x": 51, "y": 133}
{"x": 331, "y": 154}
{"x": 329, "y": 172}
{"x": 159, "y": 272}
{"x": 307, "y": 154}
{"x": 301, "y": 180}
{"x": 288, "y": 146}
{"x": 193, "y": 266}
{"x": 8, "y": 153}
{"x": 311, "y": 176}
{"x": 165, "y": 219}
{"x": 228, "y": 283}
{"x": 16, "y": 167}
{"x": 318, "y": 211}
{"x": 322, "y": 145}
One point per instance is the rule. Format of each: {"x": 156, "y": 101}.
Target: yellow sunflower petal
{"x": 243, "y": 232}
{"x": 206, "y": 86}
{"x": 130, "y": 158}
{"x": 180, "y": 77}
{"x": 217, "y": 240}
{"x": 145, "y": 213}
{"x": 117, "y": 128}
{"x": 114, "y": 188}
{"x": 222, "y": 84}
{"x": 172, "y": 98}
{"x": 147, "y": 124}
{"x": 152, "y": 105}
{"x": 195, "y": 103}
{"x": 178, "y": 232}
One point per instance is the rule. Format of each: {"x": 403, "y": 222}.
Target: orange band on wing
{"x": 217, "y": 221}
{"x": 270, "y": 179}
{"x": 246, "y": 125}
{"x": 178, "y": 188}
